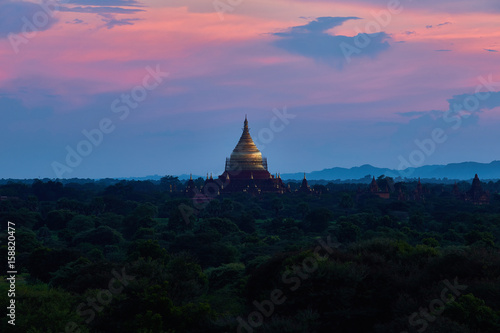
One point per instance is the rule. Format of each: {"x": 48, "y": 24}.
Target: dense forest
{"x": 143, "y": 257}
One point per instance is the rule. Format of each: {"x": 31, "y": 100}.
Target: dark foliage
{"x": 140, "y": 256}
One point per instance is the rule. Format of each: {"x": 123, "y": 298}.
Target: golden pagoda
{"x": 246, "y": 170}
{"x": 246, "y": 155}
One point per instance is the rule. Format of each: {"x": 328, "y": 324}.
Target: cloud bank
{"x": 312, "y": 40}
{"x": 15, "y": 17}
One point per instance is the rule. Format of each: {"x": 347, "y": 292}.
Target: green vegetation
{"x": 136, "y": 256}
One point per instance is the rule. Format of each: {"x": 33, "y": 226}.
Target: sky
{"x": 130, "y": 88}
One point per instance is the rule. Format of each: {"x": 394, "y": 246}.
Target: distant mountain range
{"x": 458, "y": 171}
{"x": 454, "y": 171}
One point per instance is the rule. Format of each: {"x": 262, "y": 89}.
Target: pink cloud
{"x": 236, "y": 53}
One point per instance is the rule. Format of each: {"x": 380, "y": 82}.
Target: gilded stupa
{"x": 246, "y": 170}
{"x": 246, "y": 155}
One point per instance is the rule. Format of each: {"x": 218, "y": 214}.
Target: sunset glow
{"x": 260, "y": 56}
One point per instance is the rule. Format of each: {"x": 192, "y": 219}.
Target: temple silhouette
{"x": 245, "y": 171}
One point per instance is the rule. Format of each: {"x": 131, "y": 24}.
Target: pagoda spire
{"x": 246, "y": 155}
{"x": 374, "y": 186}
{"x": 304, "y": 187}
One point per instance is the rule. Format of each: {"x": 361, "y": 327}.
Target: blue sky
{"x": 136, "y": 88}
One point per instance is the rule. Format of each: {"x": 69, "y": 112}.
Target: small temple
{"x": 476, "y": 194}
{"x": 375, "y": 190}
{"x": 418, "y": 194}
{"x": 246, "y": 170}
{"x": 304, "y": 186}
